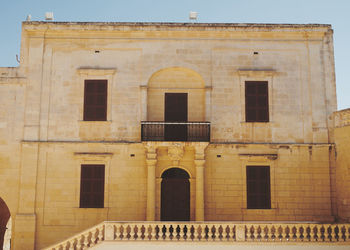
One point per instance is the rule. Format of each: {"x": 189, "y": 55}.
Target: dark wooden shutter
{"x": 175, "y": 107}
{"x": 175, "y": 110}
{"x": 95, "y": 100}
{"x": 258, "y": 187}
{"x": 92, "y": 185}
{"x": 256, "y": 101}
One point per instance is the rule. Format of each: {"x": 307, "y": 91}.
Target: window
{"x": 258, "y": 187}
{"x": 92, "y": 186}
{"x": 256, "y": 101}
{"x": 95, "y": 100}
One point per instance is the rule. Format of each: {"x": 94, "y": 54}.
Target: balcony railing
{"x": 229, "y": 232}
{"x": 175, "y": 131}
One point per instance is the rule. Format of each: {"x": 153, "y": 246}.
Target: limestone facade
{"x": 45, "y": 140}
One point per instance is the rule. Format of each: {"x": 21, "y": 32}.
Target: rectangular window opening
{"x": 95, "y": 100}
{"x": 92, "y": 185}
{"x": 258, "y": 187}
{"x": 256, "y": 101}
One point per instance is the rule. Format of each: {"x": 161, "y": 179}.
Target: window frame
{"x": 92, "y": 199}
{"x": 255, "y": 111}
{"x": 90, "y": 109}
{"x": 268, "y": 75}
{"x": 259, "y": 159}
{"x": 92, "y": 158}
{"x": 108, "y": 74}
{"x": 263, "y": 196}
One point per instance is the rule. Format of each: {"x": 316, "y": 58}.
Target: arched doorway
{"x": 175, "y": 195}
{"x": 4, "y": 218}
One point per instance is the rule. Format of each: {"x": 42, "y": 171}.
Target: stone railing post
{"x": 240, "y": 232}
{"x": 109, "y": 232}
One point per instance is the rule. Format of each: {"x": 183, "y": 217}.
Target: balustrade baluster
{"x": 346, "y": 232}
{"x": 143, "y": 232}
{"x": 274, "y": 230}
{"x": 324, "y": 233}
{"x": 100, "y": 234}
{"x": 154, "y": 232}
{"x": 228, "y": 233}
{"x": 212, "y": 233}
{"x": 206, "y": 232}
{"x": 71, "y": 244}
{"x": 80, "y": 243}
{"x": 166, "y": 232}
{"x": 259, "y": 233}
{"x": 202, "y": 232}
{"x": 308, "y": 233}
{"x": 128, "y": 232}
{"x": 184, "y": 232}
{"x": 196, "y": 231}
{"x": 190, "y": 232}
{"x": 134, "y": 232}
{"x": 85, "y": 241}
{"x": 283, "y": 232}
{"x": 298, "y": 233}
{"x": 118, "y": 234}
{"x": 248, "y": 232}
{"x": 335, "y": 233}
{"x": 341, "y": 232}
{"x": 313, "y": 233}
{"x": 287, "y": 233}
{"x": 93, "y": 237}
{"x": 148, "y": 232}
{"x": 220, "y": 233}
{"x": 254, "y": 233}
{"x": 269, "y": 233}
{"x": 265, "y": 233}
{"x": 328, "y": 232}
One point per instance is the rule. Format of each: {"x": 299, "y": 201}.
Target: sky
{"x": 335, "y": 12}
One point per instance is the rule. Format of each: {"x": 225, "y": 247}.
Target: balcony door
{"x": 175, "y": 110}
{"x": 175, "y": 195}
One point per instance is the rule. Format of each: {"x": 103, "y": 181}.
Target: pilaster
{"x": 200, "y": 162}
{"x": 151, "y": 160}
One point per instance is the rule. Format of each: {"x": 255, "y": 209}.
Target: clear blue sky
{"x": 336, "y": 12}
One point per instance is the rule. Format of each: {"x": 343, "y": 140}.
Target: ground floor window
{"x": 258, "y": 187}
{"x": 92, "y": 185}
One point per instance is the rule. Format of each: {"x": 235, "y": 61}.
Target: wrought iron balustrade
{"x": 175, "y": 131}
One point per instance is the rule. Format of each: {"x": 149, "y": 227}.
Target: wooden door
{"x": 175, "y": 110}
{"x": 175, "y": 196}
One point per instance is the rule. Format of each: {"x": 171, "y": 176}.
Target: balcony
{"x": 175, "y": 131}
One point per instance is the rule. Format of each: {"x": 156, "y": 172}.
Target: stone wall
{"x": 44, "y": 140}
{"x": 342, "y": 139}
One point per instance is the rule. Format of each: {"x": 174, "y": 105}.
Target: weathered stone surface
{"x": 44, "y": 140}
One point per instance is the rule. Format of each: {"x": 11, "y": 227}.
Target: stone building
{"x": 170, "y": 122}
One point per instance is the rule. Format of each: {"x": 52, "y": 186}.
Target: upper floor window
{"x": 95, "y": 100}
{"x": 258, "y": 187}
{"x": 92, "y": 184}
{"x": 256, "y": 101}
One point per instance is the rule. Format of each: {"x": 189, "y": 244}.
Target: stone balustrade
{"x": 83, "y": 240}
{"x": 208, "y": 232}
